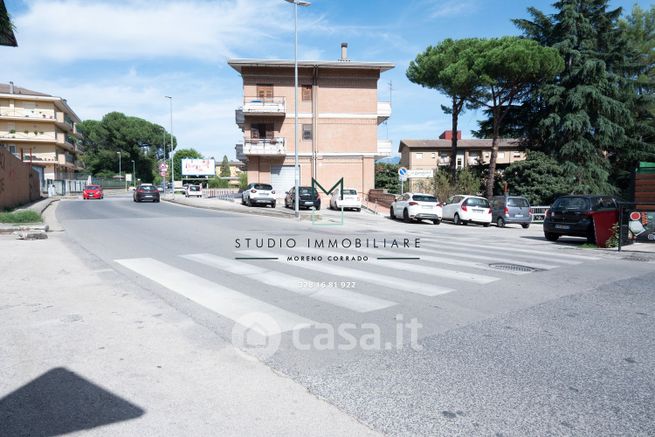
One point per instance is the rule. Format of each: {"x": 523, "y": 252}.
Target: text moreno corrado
{"x": 327, "y": 243}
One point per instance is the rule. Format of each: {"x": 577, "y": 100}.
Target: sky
{"x": 126, "y": 55}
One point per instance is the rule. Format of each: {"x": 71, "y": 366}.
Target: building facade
{"x": 435, "y": 154}
{"x": 338, "y": 118}
{"x": 40, "y": 129}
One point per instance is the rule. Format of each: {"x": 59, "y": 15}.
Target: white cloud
{"x": 451, "y": 8}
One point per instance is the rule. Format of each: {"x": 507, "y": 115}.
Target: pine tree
{"x": 225, "y": 167}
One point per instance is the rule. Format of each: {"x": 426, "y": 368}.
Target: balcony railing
{"x": 384, "y": 111}
{"x": 27, "y": 113}
{"x": 267, "y": 146}
{"x": 30, "y": 135}
{"x": 264, "y": 105}
{"x": 384, "y": 147}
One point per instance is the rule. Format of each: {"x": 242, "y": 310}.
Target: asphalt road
{"x": 560, "y": 345}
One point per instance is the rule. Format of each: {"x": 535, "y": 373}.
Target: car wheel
{"x": 525, "y": 225}
{"x": 273, "y": 205}
{"x": 456, "y": 220}
{"x": 486, "y": 225}
{"x": 249, "y": 202}
{"x": 591, "y": 236}
{"x": 392, "y": 216}
{"x": 436, "y": 222}
{"x": 406, "y": 216}
{"x": 551, "y": 236}
{"x": 243, "y": 202}
{"x": 318, "y": 208}
{"x": 358, "y": 209}
{"x": 500, "y": 222}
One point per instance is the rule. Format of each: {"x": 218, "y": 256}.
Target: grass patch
{"x": 20, "y": 217}
{"x": 589, "y": 246}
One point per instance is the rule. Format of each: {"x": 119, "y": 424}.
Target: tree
{"x": 539, "y": 178}
{"x": 448, "y": 68}
{"x": 243, "y": 180}
{"x": 7, "y": 37}
{"x": 580, "y": 118}
{"x": 508, "y": 67}
{"x": 135, "y": 138}
{"x": 179, "y": 156}
{"x": 225, "y": 167}
{"x": 217, "y": 182}
{"x": 386, "y": 177}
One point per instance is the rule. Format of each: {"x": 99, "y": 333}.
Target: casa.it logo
{"x": 315, "y": 216}
{"x": 256, "y": 334}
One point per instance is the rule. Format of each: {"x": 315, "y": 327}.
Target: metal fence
{"x": 221, "y": 193}
{"x": 63, "y": 187}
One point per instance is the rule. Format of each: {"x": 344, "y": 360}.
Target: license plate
{"x": 309, "y": 203}
{"x": 518, "y": 215}
{"x": 562, "y": 226}
{"x": 427, "y": 207}
{"x": 478, "y": 210}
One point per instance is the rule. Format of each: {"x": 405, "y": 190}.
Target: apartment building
{"x": 40, "y": 129}
{"x": 433, "y": 154}
{"x": 338, "y": 117}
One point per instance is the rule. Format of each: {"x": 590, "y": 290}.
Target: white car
{"x": 350, "y": 200}
{"x": 193, "y": 191}
{"x": 258, "y": 194}
{"x": 467, "y": 209}
{"x": 416, "y": 206}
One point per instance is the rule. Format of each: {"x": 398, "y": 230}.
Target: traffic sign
{"x": 163, "y": 167}
{"x": 163, "y": 173}
{"x": 402, "y": 171}
{"x": 420, "y": 173}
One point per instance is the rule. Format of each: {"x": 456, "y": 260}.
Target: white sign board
{"x": 198, "y": 167}
{"x": 420, "y": 173}
{"x": 128, "y": 177}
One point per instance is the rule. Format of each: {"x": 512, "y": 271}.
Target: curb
{"x": 251, "y": 211}
{"x": 40, "y": 205}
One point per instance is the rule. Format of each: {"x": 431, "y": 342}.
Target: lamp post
{"x": 296, "y": 3}
{"x": 120, "y": 173}
{"x": 134, "y": 173}
{"x": 170, "y": 100}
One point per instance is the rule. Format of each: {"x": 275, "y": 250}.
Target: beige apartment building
{"x": 40, "y": 129}
{"x": 433, "y": 154}
{"x": 338, "y": 117}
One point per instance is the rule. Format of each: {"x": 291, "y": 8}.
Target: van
{"x": 507, "y": 210}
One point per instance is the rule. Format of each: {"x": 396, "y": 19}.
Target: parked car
{"x": 350, "y": 200}
{"x": 146, "y": 192}
{"x": 467, "y": 209}
{"x": 507, "y": 210}
{"x": 308, "y": 197}
{"x": 92, "y": 192}
{"x": 193, "y": 191}
{"x": 416, "y": 206}
{"x": 572, "y": 216}
{"x": 258, "y": 194}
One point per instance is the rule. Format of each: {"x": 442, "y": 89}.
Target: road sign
{"x": 402, "y": 171}
{"x": 163, "y": 167}
{"x": 420, "y": 173}
{"x": 163, "y": 173}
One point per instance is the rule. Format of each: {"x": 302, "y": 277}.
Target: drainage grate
{"x": 636, "y": 258}
{"x": 514, "y": 268}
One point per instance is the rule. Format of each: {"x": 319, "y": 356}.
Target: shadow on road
{"x": 60, "y": 402}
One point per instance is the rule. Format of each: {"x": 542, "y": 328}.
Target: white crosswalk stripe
{"x": 336, "y": 296}
{"x": 359, "y": 275}
{"x": 222, "y": 300}
{"x": 470, "y": 254}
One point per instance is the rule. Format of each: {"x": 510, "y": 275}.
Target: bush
{"x": 20, "y": 217}
{"x": 243, "y": 180}
{"x": 217, "y": 182}
{"x": 442, "y": 187}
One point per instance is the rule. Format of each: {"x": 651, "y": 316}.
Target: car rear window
{"x": 423, "y": 198}
{"x": 148, "y": 188}
{"x": 262, "y": 187}
{"x": 518, "y": 202}
{"x": 475, "y": 201}
{"x": 349, "y": 192}
{"x": 307, "y": 190}
{"x": 194, "y": 188}
{"x": 573, "y": 203}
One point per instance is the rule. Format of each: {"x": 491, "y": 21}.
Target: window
{"x": 306, "y": 131}
{"x": 264, "y": 90}
{"x": 419, "y": 155}
{"x": 434, "y": 155}
{"x": 517, "y": 154}
{"x": 501, "y": 155}
{"x": 12, "y": 148}
{"x": 306, "y": 93}
{"x": 261, "y": 131}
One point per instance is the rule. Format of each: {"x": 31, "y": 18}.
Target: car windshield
{"x": 194, "y": 188}
{"x": 424, "y": 198}
{"x": 477, "y": 201}
{"x": 573, "y": 203}
{"x": 349, "y": 192}
{"x": 92, "y": 187}
{"x": 518, "y": 201}
{"x": 262, "y": 187}
{"x": 307, "y": 191}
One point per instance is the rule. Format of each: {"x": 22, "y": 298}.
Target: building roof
{"x": 461, "y": 144}
{"x": 5, "y": 88}
{"x": 238, "y": 64}
{"x": 5, "y": 91}
{"x": 7, "y": 37}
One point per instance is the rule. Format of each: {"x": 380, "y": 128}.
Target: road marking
{"x": 495, "y": 247}
{"x": 491, "y": 258}
{"x": 414, "y": 267}
{"x": 348, "y": 299}
{"x": 222, "y": 300}
{"x": 391, "y": 282}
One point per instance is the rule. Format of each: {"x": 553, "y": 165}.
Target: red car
{"x": 93, "y": 192}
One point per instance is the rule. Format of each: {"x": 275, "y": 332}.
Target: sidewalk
{"x": 83, "y": 348}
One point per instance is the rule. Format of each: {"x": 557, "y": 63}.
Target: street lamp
{"x": 170, "y": 99}
{"x": 134, "y": 173}
{"x": 119, "y": 165}
{"x": 296, "y": 3}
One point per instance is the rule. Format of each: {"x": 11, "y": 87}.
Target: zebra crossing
{"x": 446, "y": 265}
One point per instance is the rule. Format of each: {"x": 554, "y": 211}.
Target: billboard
{"x": 198, "y": 167}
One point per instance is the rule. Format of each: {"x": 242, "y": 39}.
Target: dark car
{"x": 573, "y": 216}
{"x": 507, "y": 210}
{"x": 146, "y": 192}
{"x": 308, "y": 198}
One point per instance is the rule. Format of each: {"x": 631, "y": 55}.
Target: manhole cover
{"x": 513, "y": 268}
{"x": 636, "y": 258}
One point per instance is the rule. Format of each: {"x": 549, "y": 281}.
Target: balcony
{"x": 66, "y": 141}
{"x": 264, "y": 147}
{"x": 384, "y": 148}
{"x": 384, "y": 111}
{"x": 264, "y": 106}
{"x": 30, "y": 114}
{"x": 64, "y": 122}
